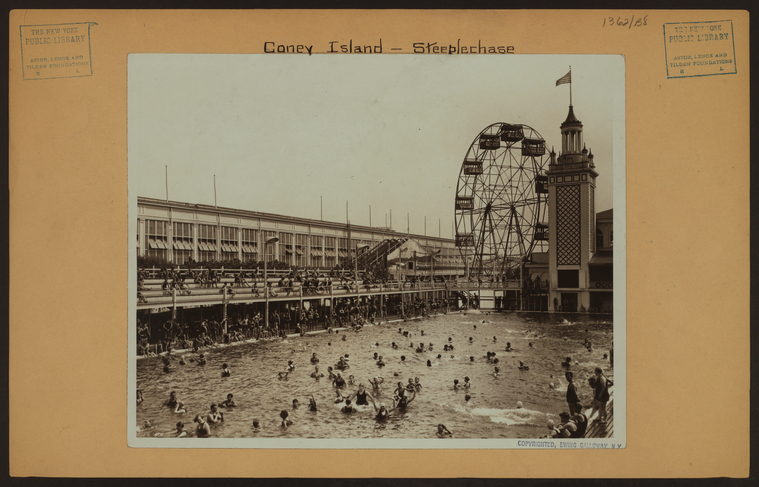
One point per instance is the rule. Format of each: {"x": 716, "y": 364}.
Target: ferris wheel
{"x": 502, "y": 200}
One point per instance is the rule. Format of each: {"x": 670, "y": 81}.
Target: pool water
{"x": 491, "y": 412}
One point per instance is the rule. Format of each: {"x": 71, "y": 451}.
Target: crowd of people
{"x": 372, "y": 394}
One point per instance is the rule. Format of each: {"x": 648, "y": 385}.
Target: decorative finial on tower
{"x": 584, "y": 150}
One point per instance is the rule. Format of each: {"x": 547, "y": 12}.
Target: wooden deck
{"x": 596, "y": 430}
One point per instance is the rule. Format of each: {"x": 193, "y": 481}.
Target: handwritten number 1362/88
{"x": 639, "y": 22}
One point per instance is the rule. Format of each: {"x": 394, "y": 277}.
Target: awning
{"x": 288, "y": 251}
{"x": 188, "y": 245}
{"x": 298, "y": 251}
{"x": 178, "y": 246}
{"x": 316, "y": 252}
{"x": 342, "y": 253}
{"x": 211, "y": 247}
{"x": 152, "y": 244}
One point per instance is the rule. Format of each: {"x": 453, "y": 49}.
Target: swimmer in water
{"x": 567, "y": 363}
{"x": 202, "y": 359}
{"x": 312, "y": 404}
{"x": 225, "y": 372}
{"x": 471, "y": 358}
{"x": 376, "y": 382}
{"x": 314, "y": 358}
{"x": 229, "y": 403}
{"x": 467, "y": 384}
{"x": 256, "y": 424}
{"x": 522, "y": 366}
{"x": 410, "y": 385}
{"x": 403, "y": 358}
{"x": 470, "y": 340}
{"x": 417, "y": 384}
{"x": 360, "y": 395}
{"x": 285, "y": 422}
{"x": 508, "y": 347}
{"x": 181, "y": 360}
{"x": 475, "y": 327}
{"x": 181, "y": 433}
{"x": 348, "y": 408}
{"x": 467, "y": 397}
{"x": 496, "y": 371}
{"x": 290, "y": 366}
{"x": 316, "y": 374}
{"x": 530, "y": 344}
{"x": 382, "y": 412}
{"x": 404, "y": 400}
{"x": 339, "y": 381}
{"x": 380, "y": 362}
{"x": 439, "y": 356}
{"x": 351, "y": 380}
{"x": 215, "y": 416}
{"x": 345, "y": 337}
{"x": 429, "y": 363}
{"x": 339, "y": 397}
{"x": 174, "y": 403}
{"x": 296, "y": 404}
{"x": 282, "y": 375}
{"x": 202, "y": 430}
{"x": 140, "y": 398}
{"x": 394, "y": 346}
{"x": 422, "y": 332}
{"x": 443, "y": 432}
{"x": 519, "y": 405}
{"x": 456, "y": 384}
{"x": 375, "y": 356}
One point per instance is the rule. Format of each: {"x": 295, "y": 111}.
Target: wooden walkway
{"x": 597, "y": 430}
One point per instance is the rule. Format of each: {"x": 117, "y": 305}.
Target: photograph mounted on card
{"x": 376, "y": 251}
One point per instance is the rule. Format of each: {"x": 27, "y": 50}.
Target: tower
{"x": 571, "y": 204}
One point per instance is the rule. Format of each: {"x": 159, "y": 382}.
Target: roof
{"x": 605, "y": 214}
{"x": 571, "y": 119}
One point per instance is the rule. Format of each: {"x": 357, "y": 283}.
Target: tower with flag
{"x": 571, "y": 204}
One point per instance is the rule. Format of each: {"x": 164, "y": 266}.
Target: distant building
{"x": 177, "y": 232}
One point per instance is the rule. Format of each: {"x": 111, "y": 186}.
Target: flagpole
{"x": 570, "y": 86}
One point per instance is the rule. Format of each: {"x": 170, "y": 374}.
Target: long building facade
{"x": 177, "y": 232}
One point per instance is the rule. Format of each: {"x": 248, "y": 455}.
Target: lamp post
{"x": 266, "y": 283}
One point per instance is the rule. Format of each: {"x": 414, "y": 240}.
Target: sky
{"x": 302, "y": 135}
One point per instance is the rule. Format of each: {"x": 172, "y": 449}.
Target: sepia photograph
{"x": 376, "y": 251}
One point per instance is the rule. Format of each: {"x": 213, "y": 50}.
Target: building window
{"x": 316, "y": 250}
{"x": 229, "y": 250}
{"x": 285, "y": 247}
{"x": 268, "y": 249}
{"x": 342, "y": 251}
{"x": 599, "y": 239}
{"x": 249, "y": 245}
{"x": 157, "y": 234}
{"x": 301, "y": 246}
{"x": 182, "y": 237}
{"x": 569, "y": 278}
{"x": 330, "y": 251}
{"x": 206, "y": 243}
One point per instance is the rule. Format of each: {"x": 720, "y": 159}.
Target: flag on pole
{"x": 567, "y": 78}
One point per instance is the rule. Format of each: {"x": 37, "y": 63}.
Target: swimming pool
{"x": 491, "y": 412}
